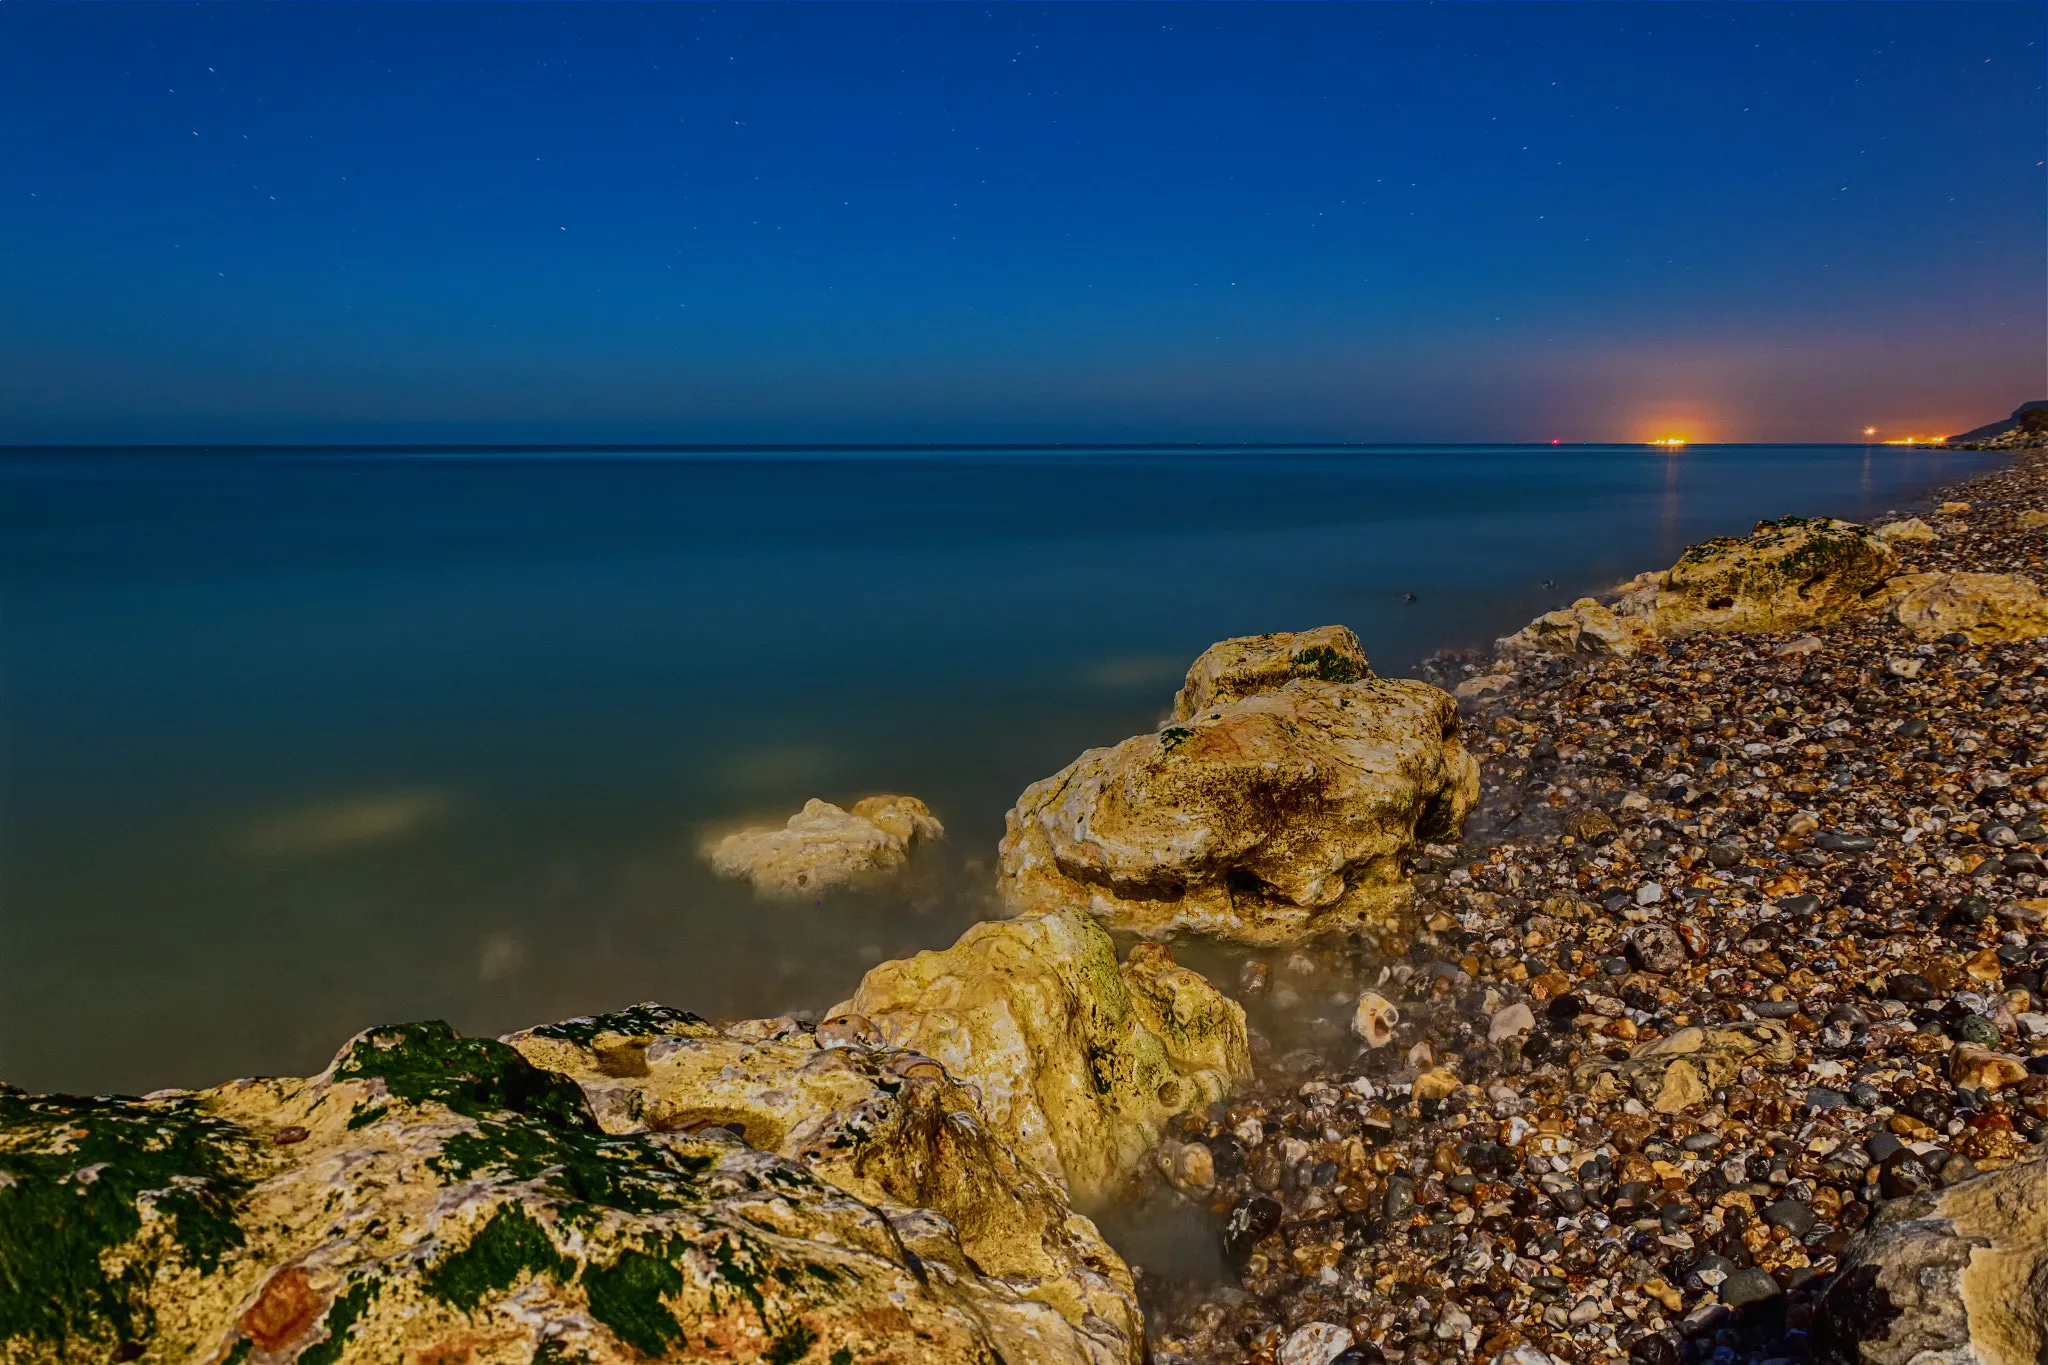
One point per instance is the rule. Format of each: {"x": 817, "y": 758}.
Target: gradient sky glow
{"x": 269, "y": 222}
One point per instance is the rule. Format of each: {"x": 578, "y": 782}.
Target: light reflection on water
{"x": 296, "y": 744}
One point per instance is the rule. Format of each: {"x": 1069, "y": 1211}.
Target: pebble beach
{"x": 1747, "y": 937}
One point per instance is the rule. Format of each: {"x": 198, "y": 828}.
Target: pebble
{"x": 1319, "y": 1343}
{"x": 1576, "y": 1120}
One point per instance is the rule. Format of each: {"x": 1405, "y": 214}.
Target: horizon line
{"x": 780, "y": 447}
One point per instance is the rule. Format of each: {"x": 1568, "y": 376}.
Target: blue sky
{"x": 1010, "y": 222}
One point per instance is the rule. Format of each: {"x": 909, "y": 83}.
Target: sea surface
{"x": 296, "y": 742}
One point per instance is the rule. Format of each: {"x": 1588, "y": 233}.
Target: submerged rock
{"x": 433, "y": 1197}
{"x": 823, "y": 846}
{"x": 1079, "y": 1062}
{"x": 886, "y": 1126}
{"x": 1787, "y": 574}
{"x": 1260, "y": 816}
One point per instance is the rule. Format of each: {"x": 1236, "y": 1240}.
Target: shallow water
{"x": 296, "y": 743}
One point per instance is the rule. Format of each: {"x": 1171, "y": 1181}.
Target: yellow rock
{"x": 2032, "y": 521}
{"x": 822, "y": 846}
{"x": 1078, "y": 1062}
{"x": 1244, "y": 667}
{"x": 1436, "y": 1084}
{"x": 1375, "y": 1019}
{"x": 884, "y": 1125}
{"x": 1786, "y": 575}
{"x": 1262, "y": 818}
{"x": 1912, "y": 528}
{"x": 436, "y": 1198}
{"x": 1957, "y": 1271}
{"x": 1987, "y": 607}
{"x": 1983, "y": 1069}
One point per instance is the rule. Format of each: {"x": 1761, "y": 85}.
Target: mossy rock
{"x": 431, "y": 1196}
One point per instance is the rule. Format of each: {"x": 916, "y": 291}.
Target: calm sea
{"x": 297, "y": 742}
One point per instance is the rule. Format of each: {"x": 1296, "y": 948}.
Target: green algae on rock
{"x": 1787, "y": 574}
{"x": 884, "y": 1125}
{"x": 433, "y": 1197}
{"x": 1283, "y": 800}
{"x": 1079, "y": 1060}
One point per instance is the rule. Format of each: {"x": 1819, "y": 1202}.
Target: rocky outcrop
{"x": 1786, "y": 575}
{"x": 436, "y": 1198}
{"x": 1957, "y": 1277}
{"x": 1256, "y": 815}
{"x": 886, "y": 1126}
{"x": 823, "y": 846}
{"x": 1078, "y": 1061}
{"x": 2017, "y": 432}
{"x": 1987, "y": 607}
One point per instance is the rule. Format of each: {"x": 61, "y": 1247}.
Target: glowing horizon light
{"x": 1870, "y": 431}
{"x": 1917, "y": 441}
{"x": 1669, "y": 441}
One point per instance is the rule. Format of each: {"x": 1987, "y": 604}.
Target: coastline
{"x": 1430, "y": 1198}
{"x": 1565, "y": 1195}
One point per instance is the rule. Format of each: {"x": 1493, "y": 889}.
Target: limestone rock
{"x": 1585, "y": 627}
{"x": 1262, "y": 818}
{"x": 1785, "y": 575}
{"x": 432, "y": 1197}
{"x": 1251, "y": 664}
{"x": 1674, "y": 1073}
{"x": 883, "y": 1125}
{"x": 1954, "y": 1276}
{"x": 1987, "y": 607}
{"x": 1319, "y": 1343}
{"x": 1912, "y": 528}
{"x": 1375, "y": 1019}
{"x": 2031, "y": 521}
{"x": 1484, "y": 686}
{"x": 1078, "y": 1062}
{"x": 823, "y": 846}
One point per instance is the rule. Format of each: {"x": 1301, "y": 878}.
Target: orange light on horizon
{"x": 1917, "y": 441}
{"x": 1669, "y": 441}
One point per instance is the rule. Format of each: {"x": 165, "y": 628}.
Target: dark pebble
{"x": 1865, "y": 1095}
{"x": 1791, "y": 1215}
{"x": 1253, "y": 1220}
{"x": 1910, "y": 987}
{"x": 1845, "y": 843}
{"x": 1749, "y": 1286}
{"x": 1654, "y": 1349}
{"x": 1774, "y": 1009}
{"x": 2025, "y": 860}
{"x": 1975, "y": 1028}
{"x": 1819, "y": 1097}
{"x": 1799, "y": 905}
{"x": 1359, "y": 1353}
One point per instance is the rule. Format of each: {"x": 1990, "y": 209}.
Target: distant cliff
{"x": 2016, "y": 430}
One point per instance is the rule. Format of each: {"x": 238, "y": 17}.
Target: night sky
{"x": 257, "y": 222}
